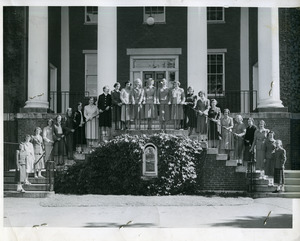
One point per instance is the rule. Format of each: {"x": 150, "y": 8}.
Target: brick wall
{"x": 217, "y": 176}
{"x": 27, "y": 122}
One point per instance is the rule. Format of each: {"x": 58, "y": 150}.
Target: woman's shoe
{"x": 27, "y": 183}
{"x": 42, "y": 177}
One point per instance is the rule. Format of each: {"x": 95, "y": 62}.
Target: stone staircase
{"x": 264, "y": 187}
{"x": 39, "y": 188}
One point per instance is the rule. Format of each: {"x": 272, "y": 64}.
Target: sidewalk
{"x": 99, "y": 211}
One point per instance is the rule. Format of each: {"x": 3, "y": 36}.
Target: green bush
{"x": 115, "y": 167}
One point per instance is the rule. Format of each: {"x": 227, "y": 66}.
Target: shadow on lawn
{"x": 278, "y": 221}
{"x": 119, "y": 225}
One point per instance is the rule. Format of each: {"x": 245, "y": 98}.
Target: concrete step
{"x": 261, "y": 181}
{"x": 231, "y": 163}
{"x": 292, "y": 173}
{"x": 255, "y": 175}
{"x": 33, "y": 187}
{"x": 12, "y": 173}
{"x": 265, "y": 194}
{"x": 222, "y": 157}
{"x": 290, "y": 194}
{"x": 28, "y": 194}
{"x": 213, "y": 151}
{"x": 292, "y": 181}
{"x": 241, "y": 169}
{"x": 292, "y": 188}
{"x": 264, "y": 188}
{"x": 8, "y": 180}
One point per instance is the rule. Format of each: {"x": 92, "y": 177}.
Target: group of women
{"x": 135, "y": 103}
{"x": 253, "y": 144}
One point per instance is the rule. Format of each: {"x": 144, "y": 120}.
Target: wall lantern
{"x": 150, "y": 20}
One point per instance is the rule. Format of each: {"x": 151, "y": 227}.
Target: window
{"x": 91, "y": 85}
{"x": 91, "y": 15}
{"x": 215, "y": 73}
{"x": 158, "y": 13}
{"x": 150, "y": 161}
{"x": 215, "y": 15}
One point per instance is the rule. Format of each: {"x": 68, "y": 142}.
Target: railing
{"x": 59, "y": 101}
{"x": 239, "y": 101}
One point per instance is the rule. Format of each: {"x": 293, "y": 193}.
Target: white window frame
{"x": 86, "y": 14}
{"x": 216, "y": 21}
{"x": 216, "y": 52}
{"x": 147, "y": 174}
{"x": 145, "y": 15}
{"x": 86, "y": 53}
{"x": 153, "y": 57}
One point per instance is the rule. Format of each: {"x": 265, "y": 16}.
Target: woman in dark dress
{"x": 79, "y": 126}
{"x": 248, "y": 140}
{"x": 104, "y": 106}
{"x": 214, "y": 115}
{"x": 190, "y": 114}
{"x": 116, "y": 105}
{"x": 60, "y": 143}
{"x": 68, "y": 130}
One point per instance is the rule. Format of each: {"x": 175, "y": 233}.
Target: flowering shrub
{"x": 116, "y": 168}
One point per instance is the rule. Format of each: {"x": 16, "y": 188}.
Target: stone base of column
{"x": 272, "y": 109}
{"x": 35, "y": 106}
{"x": 34, "y": 110}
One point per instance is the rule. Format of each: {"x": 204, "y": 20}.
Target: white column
{"x": 65, "y": 58}
{"x": 107, "y": 47}
{"x": 268, "y": 58}
{"x": 197, "y": 48}
{"x": 38, "y": 58}
{"x": 244, "y": 63}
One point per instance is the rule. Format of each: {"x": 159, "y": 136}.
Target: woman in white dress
{"x": 28, "y": 147}
{"x": 91, "y": 127}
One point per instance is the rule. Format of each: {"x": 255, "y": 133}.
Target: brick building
{"x": 247, "y": 58}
